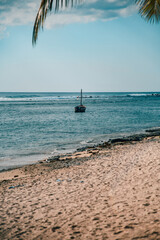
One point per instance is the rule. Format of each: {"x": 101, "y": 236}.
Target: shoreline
{"x": 104, "y": 192}
{"x": 151, "y": 132}
{"x": 108, "y": 192}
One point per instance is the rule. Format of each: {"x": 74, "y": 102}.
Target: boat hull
{"x": 80, "y": 108}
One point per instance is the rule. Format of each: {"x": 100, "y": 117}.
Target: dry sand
{"x": 107, "y": 193}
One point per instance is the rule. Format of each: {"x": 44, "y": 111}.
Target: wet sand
{"x": 110, "y": 192}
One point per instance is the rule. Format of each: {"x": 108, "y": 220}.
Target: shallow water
{"x": 35, "y": 125}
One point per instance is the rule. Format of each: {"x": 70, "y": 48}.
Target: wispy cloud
{"x": 20, "y": 12}
{"x": 17, "y": 12}
{"x": 93, "y": 10}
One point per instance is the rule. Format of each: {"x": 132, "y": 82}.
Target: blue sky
{"x": 100, "y": 46}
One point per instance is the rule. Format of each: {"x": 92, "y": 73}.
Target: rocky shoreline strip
{"x": 93, "y": 149}
{"x": 87, "y": 151}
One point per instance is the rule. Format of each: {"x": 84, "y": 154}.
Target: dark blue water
{"x": 36, "y": 125}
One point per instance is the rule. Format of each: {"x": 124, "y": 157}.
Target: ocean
{"x": 34, "y": 126}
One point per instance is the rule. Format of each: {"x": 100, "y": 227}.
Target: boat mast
{"x": 81, "y": 98}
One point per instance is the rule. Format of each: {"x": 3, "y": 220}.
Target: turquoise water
{"x": 34, "y": 126}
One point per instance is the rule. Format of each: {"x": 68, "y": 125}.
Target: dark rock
{"x": 129, "y": 227}
{"x": 118, "y": 232}
{"x": 68, "y": 158}
{"x": 77, "y": 232}
{"x": 153, "y": 130}
{"x": 146, "y": 204}
{"x": 81, "y": 149}
{"x": 136, "y": 137}
{"x": 105, "y": 144}
{"x": 74, "y": 226}
{"x": 54, "y": 158}
{"x": 96, "y": 218}
{"x": 55, "y": 228}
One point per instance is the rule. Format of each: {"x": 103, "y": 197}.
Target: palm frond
{"x": 45, "y": 7}
{"x": 149, "y": 9}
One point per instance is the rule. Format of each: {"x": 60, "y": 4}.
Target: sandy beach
{"x": 109, "y": 192}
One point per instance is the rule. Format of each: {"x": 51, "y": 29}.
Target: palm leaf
{"x": 45, "y": 7}
{"x": 149, "y": 9}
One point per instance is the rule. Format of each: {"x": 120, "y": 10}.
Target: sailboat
{"x": 81, "y": 107}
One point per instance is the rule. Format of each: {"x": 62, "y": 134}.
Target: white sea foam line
{"x": 139, "y": 94}
{"x": 35, "y": 99}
